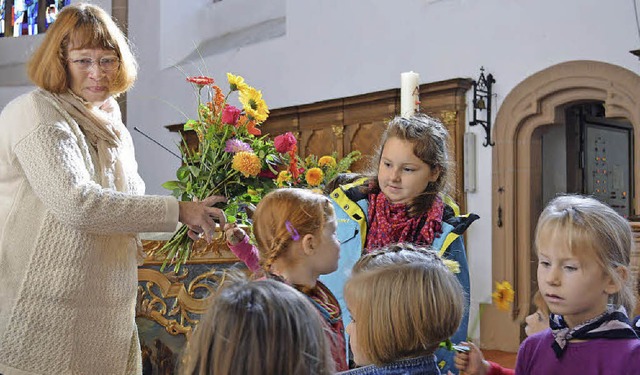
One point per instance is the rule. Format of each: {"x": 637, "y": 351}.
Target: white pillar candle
{"x": 409, "y": 93}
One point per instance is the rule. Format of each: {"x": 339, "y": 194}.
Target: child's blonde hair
{"x": 593, "y": 229}
{"x": 430, "y": 144}
{"x": 286, "y": 215}
{"x": 405, "y": 301}
{"x": 258, "y": 327}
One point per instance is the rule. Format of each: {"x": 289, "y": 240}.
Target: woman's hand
{"x": 472, "y": 362}
{"x": 199, "y": 216}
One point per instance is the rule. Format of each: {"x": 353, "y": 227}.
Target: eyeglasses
{"x": 107, "y": 64}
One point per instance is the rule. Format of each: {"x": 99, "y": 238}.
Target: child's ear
{"x": 308, "y": 244}
{"x": 613, "y": 286}
{"x": 435, "y": 174}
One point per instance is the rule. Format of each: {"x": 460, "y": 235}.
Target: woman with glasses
{"x": 71, "y": 204}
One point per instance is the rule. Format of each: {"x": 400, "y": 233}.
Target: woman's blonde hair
{"x": 258, "y": 327}
{"x": 430, "y": 144}
{"x": 80, "y": 26}
{"x": 286, "y": 215}
{"x": 592, "y": 229}
{"x": 404, "y": 302}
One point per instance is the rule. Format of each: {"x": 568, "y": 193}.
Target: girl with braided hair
{"x": 295, "y": 230}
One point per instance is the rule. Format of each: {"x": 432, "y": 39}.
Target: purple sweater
{"x": 597, "y": 356}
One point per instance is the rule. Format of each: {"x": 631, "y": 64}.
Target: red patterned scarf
{"x": 390, "y": 223}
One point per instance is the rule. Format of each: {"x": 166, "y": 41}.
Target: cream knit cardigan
{"x": 68, "y": 275}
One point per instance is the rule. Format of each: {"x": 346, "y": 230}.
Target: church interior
{"x": 539, "y": 98}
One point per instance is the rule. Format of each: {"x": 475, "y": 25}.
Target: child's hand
{"x": 472, "y": 363}
{"x": 233, "y": 233}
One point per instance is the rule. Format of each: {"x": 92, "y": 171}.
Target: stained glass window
{"x": 28, "y": 17}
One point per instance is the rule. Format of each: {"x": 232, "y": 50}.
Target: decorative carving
{"x": 449, "y": 118}
{"x": 201, "y": 252}
{"x": 164, "y": 299}
{"x": 338, "y": 130}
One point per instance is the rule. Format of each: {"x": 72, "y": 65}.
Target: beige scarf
{"x": 102, "y": 126}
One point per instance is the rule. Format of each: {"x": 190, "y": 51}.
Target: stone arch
{"x": 536, "y": 102}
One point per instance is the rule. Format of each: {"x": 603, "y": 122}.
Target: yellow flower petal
{"x": 503, "y": 295}
{"x": 253, "y": 104}
{"x": 236, "y": 82}
{"x": 283, "y": 176}
{"x": 328, "y": 161}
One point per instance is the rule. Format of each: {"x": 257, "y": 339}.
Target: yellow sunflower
{"x": 503, "y": 295}
{"x": 253, "y": 104}
{"x": 246, "y": 163}
{"x": 314, "y": 176}
{"x": 328, "y": 161}
{"x": 236, "y": 82}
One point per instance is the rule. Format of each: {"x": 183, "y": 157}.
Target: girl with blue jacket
{"x": 403, "y": 200}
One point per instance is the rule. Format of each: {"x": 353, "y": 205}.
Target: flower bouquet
{"x": 235, "y": 160}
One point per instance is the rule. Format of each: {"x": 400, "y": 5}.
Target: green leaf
{"x": 190, "y": 124}
{"x": 171, "y": 185}
{"x": 183, "y": 173}
{"x": 194, "y": 170}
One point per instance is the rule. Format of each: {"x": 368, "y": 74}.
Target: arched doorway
{"x": 537, "y": 102}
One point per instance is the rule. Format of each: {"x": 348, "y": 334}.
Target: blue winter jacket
{"x": 351, "y": 207}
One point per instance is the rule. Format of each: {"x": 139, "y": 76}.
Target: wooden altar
{"x": 169, "y": 304}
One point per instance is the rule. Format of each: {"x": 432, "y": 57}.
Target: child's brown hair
{"x": 430, "y": 144}
{"x": 258, "y": 327}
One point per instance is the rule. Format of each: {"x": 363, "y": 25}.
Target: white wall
{"x": 337, "y": 48}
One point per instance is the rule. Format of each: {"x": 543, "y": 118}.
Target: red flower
{"x": 267, "y": 173}
{"x": 200, "y": 80}
{"x": 285, "y": 142}
{"x": 230, "y": 115}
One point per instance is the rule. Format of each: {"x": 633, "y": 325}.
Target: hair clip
{"x": 294, "y": 233}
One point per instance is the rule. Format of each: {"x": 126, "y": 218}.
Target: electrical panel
{"x": 607, "y": 163}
